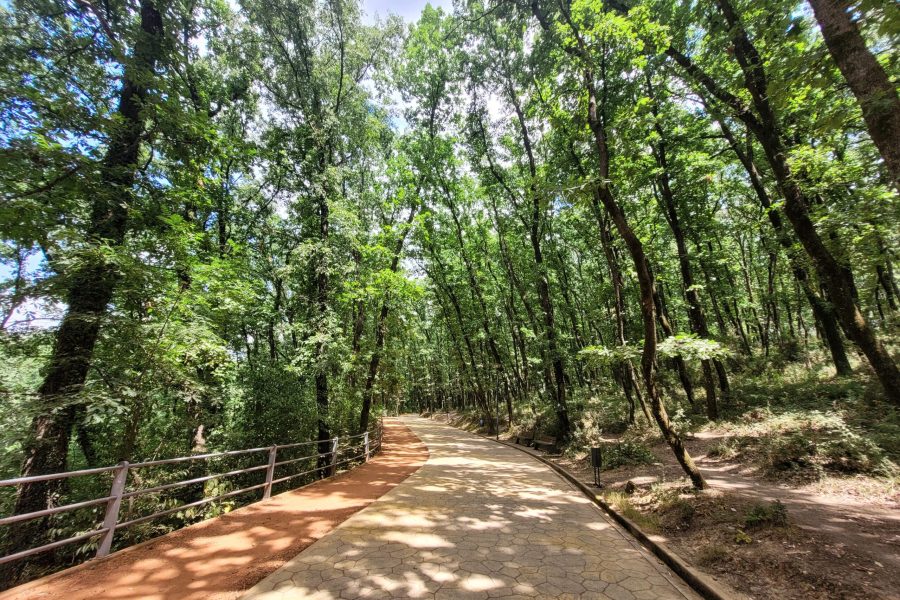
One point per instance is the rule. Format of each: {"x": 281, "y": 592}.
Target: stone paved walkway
{"x": 479, "y": 520}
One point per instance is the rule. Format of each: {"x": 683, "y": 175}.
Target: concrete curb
{"x": 701, "y": 583}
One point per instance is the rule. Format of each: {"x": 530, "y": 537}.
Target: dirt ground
{"x": 220, "y": 558}
{"x": 841, "y": 541}
{"x": 838, "y": 543}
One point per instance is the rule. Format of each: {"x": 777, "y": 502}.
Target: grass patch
{"x": 772, "y": 514}
{"x": 627, "y": 453}
{"x": 677, "y": 514}
{"x": 623, "y": 505}
{"x": 802, "y": 443}
{"x": 712, "y": 554}
{"x": 674, "y": 510}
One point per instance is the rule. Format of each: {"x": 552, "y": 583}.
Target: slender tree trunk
{"x": 696, "y": 314}
{"x": 822, "y": 310}
{"x": 635, "y": 249}
{"x": 677, "y": 361}
{"x": 834, "y": 276}
{"x": 381, "y": 327}
{"x": 321, "y": 294}
{"x": 535, "y": 235}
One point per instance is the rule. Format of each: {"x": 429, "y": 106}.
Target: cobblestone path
{"x": 479, "y": 520}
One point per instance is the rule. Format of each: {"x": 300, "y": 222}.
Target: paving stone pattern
{"x": 479, "y": 520}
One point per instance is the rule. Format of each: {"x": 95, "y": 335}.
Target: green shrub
{"x": 789, "y": 452}
{"x": 627, "y": 453}
{"x": 773, "y": 514}
{"x": 852, "y": 453}
{"x": 724, "y": 450}
{"x": 678, "y": 514}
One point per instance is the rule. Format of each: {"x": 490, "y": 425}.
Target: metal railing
{"x": 367, "y": 447}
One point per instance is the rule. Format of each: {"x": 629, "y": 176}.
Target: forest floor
{"x": 787, "y": 538}
{"x": 221, "y": 558}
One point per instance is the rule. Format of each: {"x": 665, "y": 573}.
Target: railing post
{"x": 270, "y": 473}
{"x": 366, "y": 442}
{"x": 334, "y": 448}
{"x": 111, "y": 519}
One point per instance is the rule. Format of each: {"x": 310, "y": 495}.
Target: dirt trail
{"x": 847, "y": 523}
{"x": 220, "y": 558}
{"x": 851, "y": 544}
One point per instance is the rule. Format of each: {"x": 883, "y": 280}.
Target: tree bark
{"x": 381, "y": 328}
{"x": 322, "y": 298}
{"x": 833, "y": 276}
{"x": 90, "y": 287}
{"x": 696, "y": 314}
{"x": 822, "y": 310}
{"x": 635, "y": 249}
{"x": 876, "y": 94}
{"x": 545, "y": 301}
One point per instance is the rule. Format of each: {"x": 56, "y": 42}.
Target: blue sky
{"x": 408, "y": 9}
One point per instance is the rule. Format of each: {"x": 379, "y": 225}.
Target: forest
{"x": 229, "y": 224}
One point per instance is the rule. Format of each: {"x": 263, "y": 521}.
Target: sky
{"x": 408, "y": 9}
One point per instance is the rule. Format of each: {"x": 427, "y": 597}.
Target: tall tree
{"x": 876, "y": 94}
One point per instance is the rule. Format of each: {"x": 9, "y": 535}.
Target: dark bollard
{"x": 596, "y": 464}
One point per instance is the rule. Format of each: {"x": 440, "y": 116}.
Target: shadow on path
{"x": 220, "y": 558}
{"x": 479, "y": 520}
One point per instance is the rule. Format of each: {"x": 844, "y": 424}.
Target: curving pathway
{"x": 221, "y": 558}
{"x": 478, "y": 520}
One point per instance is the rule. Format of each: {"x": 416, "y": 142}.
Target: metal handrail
{"x": 169, "y": 461}
{"x": 48, "y": 477}
{"x": 52, "y": 511}
{"x": 50, "y": 546}
{"x": 117, "y": 492}
{"x": 170, "y": 486}
{"x": 169, "y": 511}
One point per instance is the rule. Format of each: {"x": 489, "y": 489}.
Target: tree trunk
{"x": 822, "y": 310}
{"x": 321, "y": 366}
{"x": 876, "y": 94}
{"x": 834, "y": 276}
{"x": 696, "y": 315}
{"x": 635, "y": 249}
{"x": 90, "y": 287}
{"x": 380, "y": 329}
{"x": 535, "y": 233}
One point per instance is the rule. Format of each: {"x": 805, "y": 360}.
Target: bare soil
{"x": 842, "y": 539}
{"x": 220, "y": 558}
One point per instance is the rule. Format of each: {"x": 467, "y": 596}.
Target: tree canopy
{"x": 228, "y": 225}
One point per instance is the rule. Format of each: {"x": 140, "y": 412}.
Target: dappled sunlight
{"x": 478, "y": 583}
{"x": 220, "y": 558}
{"x": 478, "y": 520}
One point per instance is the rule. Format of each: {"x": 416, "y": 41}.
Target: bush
{"x": 678, "y": 514}
{"x": 773, "y": 514}
{"x": 627, "y": 453}
{"x": 791, "y": 452}
{"x": 852, "y": 453}
{"x": 724, "y": 450}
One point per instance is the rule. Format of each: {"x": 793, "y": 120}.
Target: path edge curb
{"x": 699, "y": 582}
